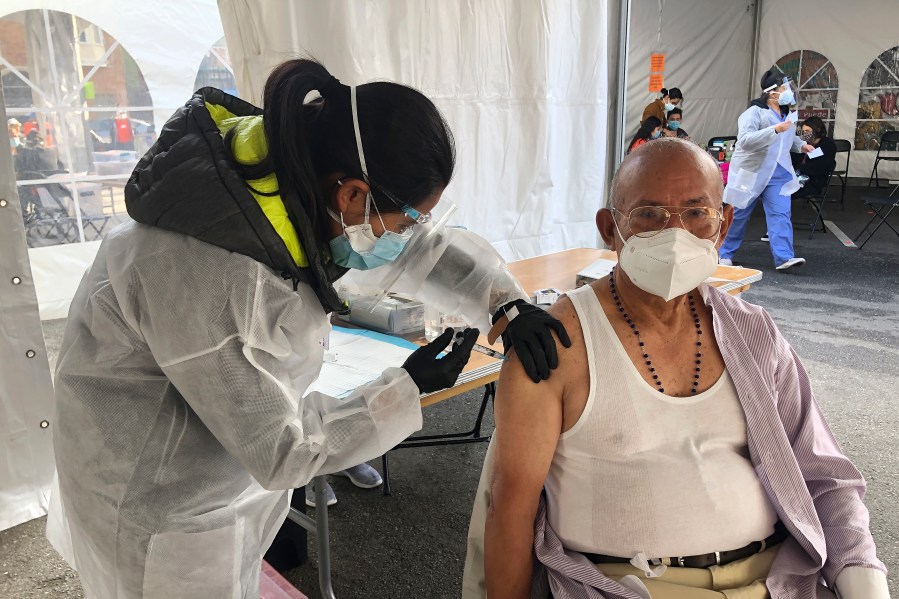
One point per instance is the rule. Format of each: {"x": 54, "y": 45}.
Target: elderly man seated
{"x": 679, "y": 451}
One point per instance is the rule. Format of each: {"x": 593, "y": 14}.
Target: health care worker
{"x": 183, "y": 412}
{"x": 761, "y": 169}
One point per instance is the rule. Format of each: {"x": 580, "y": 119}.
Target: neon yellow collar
{"x": 250, "y": 147}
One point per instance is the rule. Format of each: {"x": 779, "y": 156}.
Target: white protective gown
{"x": 758, "y": 151}
{"x": 181, "y": 418}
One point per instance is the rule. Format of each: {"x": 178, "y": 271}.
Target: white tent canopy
{"x": 522, "y": 84}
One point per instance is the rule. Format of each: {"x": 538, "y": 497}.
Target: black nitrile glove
{"x": 530, "y": 333}
{"x": 431, "y": 373}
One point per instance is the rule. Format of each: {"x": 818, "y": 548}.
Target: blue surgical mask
{"x": 674, "y": 125}
{"x": 385, "y": 249}
{"x": 669, "y": 107}
{"x": 656, "y": 134}
{"x": 359, "y": 248}
{"x": 786, "y": 98}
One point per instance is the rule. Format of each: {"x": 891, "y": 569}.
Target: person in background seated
{"x": 814, "y": 133}
{"x": 661, "y": 107}
{"x": 696, "y": 464}
{"x": 649, "y": 130}
{"x": 673, "y": 126}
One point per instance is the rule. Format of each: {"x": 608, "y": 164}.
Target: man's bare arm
{"x": 529, "y": 420}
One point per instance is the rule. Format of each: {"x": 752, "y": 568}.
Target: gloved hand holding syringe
{"x": 460, "y": 336}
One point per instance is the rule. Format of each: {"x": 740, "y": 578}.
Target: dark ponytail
{"x": 408, "y": 146}
{"x": 286, "y": 118}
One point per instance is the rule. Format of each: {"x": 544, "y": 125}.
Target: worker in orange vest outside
{"x": 123, "y": 134}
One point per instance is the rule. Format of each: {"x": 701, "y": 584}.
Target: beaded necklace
{"x": 645, "y": 353}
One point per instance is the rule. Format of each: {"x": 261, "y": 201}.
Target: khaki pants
{"x": 743, "y": 579}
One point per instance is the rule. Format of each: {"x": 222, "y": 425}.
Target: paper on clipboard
{"x": 356, "y": 357}
{"x": 816, "y": 153}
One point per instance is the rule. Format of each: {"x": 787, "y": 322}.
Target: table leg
{"x": 319, "y": 527}
{"x": 385, "y": 466}
{"x": 472, "y": 436}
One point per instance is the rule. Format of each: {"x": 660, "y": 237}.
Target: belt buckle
{"x": 680, "y": 562}
{"x": 717, "y": 558}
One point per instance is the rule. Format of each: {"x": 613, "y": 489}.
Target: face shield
{"x": 785, "y": 97}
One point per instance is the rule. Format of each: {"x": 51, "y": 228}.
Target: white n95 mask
{"x": 670, "y": 263}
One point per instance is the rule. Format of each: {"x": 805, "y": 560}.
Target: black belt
{"x": 717, "y": 558}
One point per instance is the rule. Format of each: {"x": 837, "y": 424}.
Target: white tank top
{"x": 645, "y": 472}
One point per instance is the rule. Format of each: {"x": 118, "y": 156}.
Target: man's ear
{"x": 350, "y": 196}
{"x": 605, "y": 223}
{"x": 728, "y": 215}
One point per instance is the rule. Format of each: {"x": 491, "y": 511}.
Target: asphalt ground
{"x": 840, "y": 311}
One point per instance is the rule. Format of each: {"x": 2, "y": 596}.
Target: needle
{"x": 488, "y": 352}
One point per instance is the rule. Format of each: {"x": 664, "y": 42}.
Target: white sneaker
{"x": 330, "y": 497}
{"x": 363, "y": 476}
{"x": 765, "y": 238}
{"x": 725, "y": 262}
{"x": 791, "y": 263}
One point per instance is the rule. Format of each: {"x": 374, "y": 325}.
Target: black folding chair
{"x": 721, "y": 139}
{"x": 843, "y": 145}
{"x": 47, "y": 222}
{"x": 888, "y": 138}
{"x": 46, "y": 216}
{"x": 816, "y": 200}
{"x": 882, "y": 207}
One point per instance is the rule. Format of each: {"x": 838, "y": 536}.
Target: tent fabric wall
{"x": 707, "y": 45}
{"x": 168, "y": 40}
{"x": 57, "y": 272}
{"x": 26, "y": 393}
{"x": 851, "y": 35}
{"x": 522, "y": 84}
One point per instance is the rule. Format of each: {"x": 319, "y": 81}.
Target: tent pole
{"x": 756, "y": 37}
{"x": 618, "y": 83}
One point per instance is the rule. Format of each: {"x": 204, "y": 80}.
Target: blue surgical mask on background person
{"x": 674, "y": 125}
{"x": 669, "y": 107}
{"x": 786, "y": 98}
{"x": 656, "y": 134}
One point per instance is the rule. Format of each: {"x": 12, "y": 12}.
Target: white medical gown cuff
{"x": 406, "y": 418}
{"x": 857, "y": 582}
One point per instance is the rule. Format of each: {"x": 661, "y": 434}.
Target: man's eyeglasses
{"x": 646, "y": 221}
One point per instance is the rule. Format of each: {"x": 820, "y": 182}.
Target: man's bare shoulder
{"x": 572, "y": 360}
{"x": 565, "y": 311}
